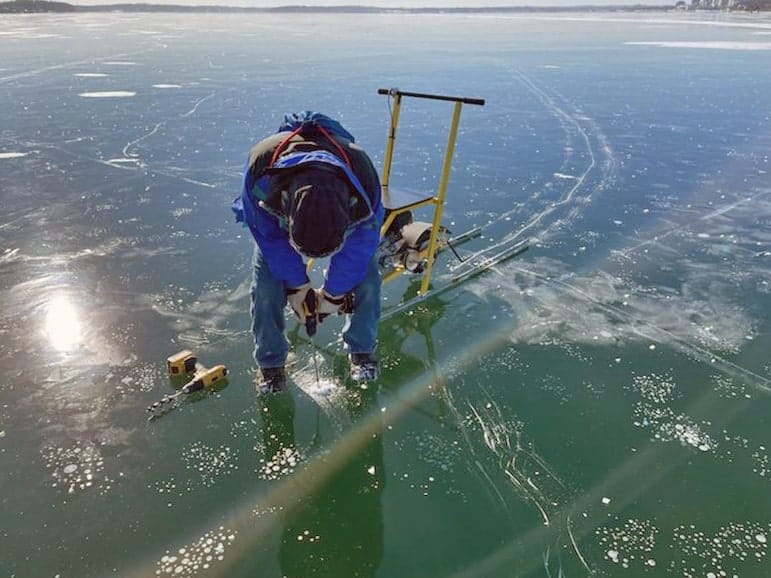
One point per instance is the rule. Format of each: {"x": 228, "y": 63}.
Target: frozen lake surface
{"x": 598, "y": 405}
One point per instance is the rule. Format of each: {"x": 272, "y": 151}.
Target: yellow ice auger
{"x": 411, "y": 246}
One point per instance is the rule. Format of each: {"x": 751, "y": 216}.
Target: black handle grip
{"x": 463, "y": 99}
{"x": 310, "y": 319}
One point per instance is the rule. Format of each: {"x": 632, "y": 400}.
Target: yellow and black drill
{"x": 184, "y": 363}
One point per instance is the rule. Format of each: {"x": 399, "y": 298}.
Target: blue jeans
{"x": 268, "y": 323}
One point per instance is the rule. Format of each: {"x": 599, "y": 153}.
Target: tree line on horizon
{"x": 36, "y": 6}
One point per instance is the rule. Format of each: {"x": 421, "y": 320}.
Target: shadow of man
{"x": 335, "y": 528}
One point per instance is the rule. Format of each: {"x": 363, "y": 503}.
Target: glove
{"x": 327, "y": 304}
{"x": 302, "y": 300}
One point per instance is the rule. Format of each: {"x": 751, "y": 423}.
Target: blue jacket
{"x": 259, "y": 208}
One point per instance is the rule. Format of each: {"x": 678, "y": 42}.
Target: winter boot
{"x": 363, "y": 367}
{"x": 273, "y": 380}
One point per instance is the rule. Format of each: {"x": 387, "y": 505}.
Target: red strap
{"x": 283, "y": 144}
{"x": 297, "y": 131}
{"x": 337, "y": 146}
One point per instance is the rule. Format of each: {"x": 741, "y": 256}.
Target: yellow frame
{"x": 437, "y": 200}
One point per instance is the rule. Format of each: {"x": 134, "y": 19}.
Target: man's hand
{"x": 330, "y": 304}
{"x": 302, "y": 300}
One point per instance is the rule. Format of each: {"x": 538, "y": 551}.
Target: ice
{"x": 325, "y": 387}
{"x": 108, "y": 94}
{"x": 198, "y": 555}
{"x": 721, "y": 553}
{"x": 629, "y": 544}
{"x": 713, "y": 45}
{"x": 281, "y": 464}
{"x": 210, "y": 462}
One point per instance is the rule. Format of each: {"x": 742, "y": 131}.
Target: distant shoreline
{"x": 40, "y": 6}
{"x": 37, "y": 6}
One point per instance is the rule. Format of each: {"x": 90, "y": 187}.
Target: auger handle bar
{"x": 463, "y": 99}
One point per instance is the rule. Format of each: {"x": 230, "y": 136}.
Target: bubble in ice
{"x": 655, "y": 388}
{"x": 727, "y": 388}
{"x": 210, "y": 462}
{"x": 505, "y": 361}
{"x": 576, "y": 351}
{"x": 281, "y": 464}
{"x": 76, "y": 468}
{"x": 173, "y": 299}
{"x": 629, "y": 545}
{"x": 735, "y": 549}
{"x": 738, "y": 446}
{"x": 555, "y": 386}
{"x": 595, "y": 389}
{"x": 760, "y": 462}
{"x": 171, "y": 487}
{"x": 438, "y": 456}
{"x": 653, "y": 412}
{"x": 666, "y": 425}
{"x": 198, "y": 557}
{"x": 134, "y": 378}
{"x": 263, "y": 511}
{"x": 180, "y": 212}
{"x": 437, "y": 452}
{"x": 307, "y": 536}
{"x": 246, "y": 429}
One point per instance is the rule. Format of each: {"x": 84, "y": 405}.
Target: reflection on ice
{"x": 108, "y": 94}
{"x": 62, "y": 325}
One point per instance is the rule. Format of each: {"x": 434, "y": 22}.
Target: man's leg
{"x": 360, "y": 330}
{"x": 267, "y": 311}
